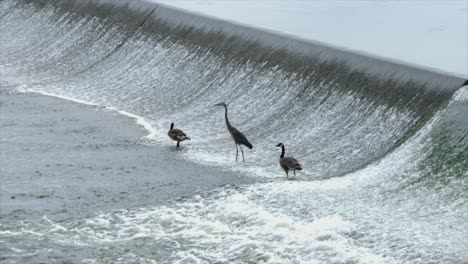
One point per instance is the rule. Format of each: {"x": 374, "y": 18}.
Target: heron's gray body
{"x": 237, "y": 136}
{"x": 177, "y": 134}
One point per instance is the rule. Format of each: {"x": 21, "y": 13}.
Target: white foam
{"x": 76, "y": 100}
{"x": 461, "y": 95}
{"x": 230, "y": 228}
{"x": 140, "y": 121}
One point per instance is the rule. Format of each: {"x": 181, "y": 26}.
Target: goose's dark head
{"x": 172, "y": 125}
{"x": 221, "y": 104}
{"x": 279, "y": 145}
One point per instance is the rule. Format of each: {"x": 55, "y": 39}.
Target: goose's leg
{"x": 294, "y": 173}
{"x": 287, "y": 174}
{"x": 178, "y": 144}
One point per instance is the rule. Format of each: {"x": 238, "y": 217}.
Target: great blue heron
{"x": 239, "y": 138}
{"x": 177, "y": 134}
{"x": 288, "y": 163}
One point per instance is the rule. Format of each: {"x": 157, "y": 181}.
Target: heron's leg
{"x": 237, "y": 152}
{"x": 178, "y": 143}
{"x": 240, "y": 146}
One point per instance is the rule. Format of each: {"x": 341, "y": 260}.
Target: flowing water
{"x": 384, "y": 146}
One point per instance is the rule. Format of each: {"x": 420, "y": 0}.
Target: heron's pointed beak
{"x": 220, "y": 104}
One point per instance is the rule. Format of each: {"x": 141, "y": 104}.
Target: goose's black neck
{"x": 282, "y": 151}
{"x": 172, "y": 126}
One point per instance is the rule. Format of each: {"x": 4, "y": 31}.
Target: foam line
{"x": 139, "y": 119}
{"x": 26, "y": 90}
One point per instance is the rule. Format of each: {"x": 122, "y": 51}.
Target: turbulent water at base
{"x": 385, "y": 170}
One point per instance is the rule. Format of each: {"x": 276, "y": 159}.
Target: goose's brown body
{"x": 177, "y": 134}
{"x": 288, "y": 163}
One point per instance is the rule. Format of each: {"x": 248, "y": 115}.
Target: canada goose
{"x": 288, "y": 163}
{"x": 177, "y": 134}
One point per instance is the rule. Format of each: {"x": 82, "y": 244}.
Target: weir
{"x": 339, "y": 110}
{"x": 235, "y": 41}
{"x": 383, "y": 145}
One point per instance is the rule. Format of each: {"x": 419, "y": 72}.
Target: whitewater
{"x": 384, "y": 145}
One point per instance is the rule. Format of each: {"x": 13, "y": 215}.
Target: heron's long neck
{"x": 226, "y": 116}
{"x": 282, "y": 152}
